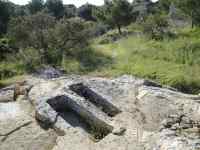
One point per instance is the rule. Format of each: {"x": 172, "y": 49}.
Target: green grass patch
{"x": 172, "y": 62}
{"x": 10, "y": 81}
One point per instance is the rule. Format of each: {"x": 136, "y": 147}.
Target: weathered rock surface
{"x": 89, "y": 113}
{"x": 20, "y": 131}
{"x": 49, "y": 73}
{"x": 6, "y": 95}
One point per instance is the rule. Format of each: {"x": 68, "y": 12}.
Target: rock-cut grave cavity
{"x": 88, "y": 110}
{"x": 98, "y": 100}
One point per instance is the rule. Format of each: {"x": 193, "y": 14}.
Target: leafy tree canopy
{"x": 35, "y": 6}
{"x": 56, "y": 8}
{"x": 115, "y": 13}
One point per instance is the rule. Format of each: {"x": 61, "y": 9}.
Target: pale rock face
{"x": 20, "y": 131}
{"x": 10, "y": 111}
{"x": 6, "y": 95}
{"x": 125, "y": 113}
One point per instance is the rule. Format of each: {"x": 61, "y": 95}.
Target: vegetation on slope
{"x": 175, "y": 62}
{"x": 153, "y": 46}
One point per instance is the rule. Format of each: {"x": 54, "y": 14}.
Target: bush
{"x": 113, "y": 36}
{"x": 45, "y": 40}
{"x": 157, "y": 27}
{"x": 96, "y": 29}
{"x": 5, "y": 48}
{"x": 189, "y": 53}
{"x": 31, "y": 31}
{"x": 85, "y": 60}
{"x": 8, "y": 69}
{"x": 6, "y": 73}
{"x": 30, "y": 59}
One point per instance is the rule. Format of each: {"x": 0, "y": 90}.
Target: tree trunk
{"x": 192, "y": 23}
{"x": 192, "y": 19}
{"x": 119, "y": 29}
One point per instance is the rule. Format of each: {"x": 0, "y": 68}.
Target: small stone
{"x": 186, "y": 126}
{"x": 120, "y": 131}
{"x": 49, "y": 73}
{"x": 6, "y": 96}
{"x": 175, "y": 126}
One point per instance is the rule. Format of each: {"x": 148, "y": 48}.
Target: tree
{"x": 191, "y": 8}
{"x": 68, "y": 36}
{"x": 115, "y": 13}
{"x": 85, "y": 12}
{"x": 21, "y": 11}
{"x": 135, "y": 2}
{"x": 165, "y": 4}
{"x": 156, "y": 26}
{"x": 32, "y": 31}
{"x": 70, "y": 11}
{"x": 35, "y": 6}
{"x": 6, "y": 11}
{"x": 50, "y": 38}
{"x": 6, "y": 48}
{"x": 56, "y": 8}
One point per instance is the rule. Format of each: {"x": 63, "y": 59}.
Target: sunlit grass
{"x": 11, "y": 80}
{"x": 174, "y": 62}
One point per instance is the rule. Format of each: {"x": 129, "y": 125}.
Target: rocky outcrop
{"x": 125, "y": 113}
{"x": 49, "y": 73}
{"x": 176, "y": 115}
{"x": 20, "y": 131}
{"x": 6, "y": 94}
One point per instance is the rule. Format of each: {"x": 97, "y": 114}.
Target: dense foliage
{"x": 191, "y": 8}
{"x": 116, "y": 13}
{"x": 35, "y": 6}
{"x": 55, "y": 7}
{"x": 5, "y": 13}
{"x": 50, "y": 38}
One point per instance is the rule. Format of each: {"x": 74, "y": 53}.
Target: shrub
{"x": 113, "y": 36}
{"x": 157, "y": 27}
{"x": 189, "y": 53}
{"x": 8, "y": 69}
{"x": 6, "y": 73}
{"x": 30, "y": 59}
{"x": 31, "y": 31}
{"x": 85, "y": 60}
{"x": 115, "y": 13}
{"x": 6, "y": 48}
{"x": 46, "y": 39}
{"x": 68, "y": 36}
{"x": 96, "y": 29}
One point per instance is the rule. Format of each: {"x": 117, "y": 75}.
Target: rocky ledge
{"x": 92, "y": 113}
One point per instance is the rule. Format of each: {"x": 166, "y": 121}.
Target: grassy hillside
{"x": 175, "y": 62}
